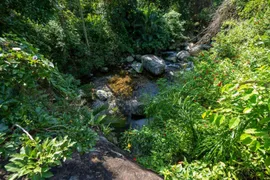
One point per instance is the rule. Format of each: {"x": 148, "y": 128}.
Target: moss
{"x": 121, "y": 85}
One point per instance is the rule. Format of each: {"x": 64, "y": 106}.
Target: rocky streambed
{"x": 124, "y": 94}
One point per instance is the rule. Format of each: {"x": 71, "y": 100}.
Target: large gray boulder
{"x": 153, "y": 64}
{"x": 105, "y": 162}
{"x": 194, "y": 51}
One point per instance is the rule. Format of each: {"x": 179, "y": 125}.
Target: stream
{"x": 128, "y": 112}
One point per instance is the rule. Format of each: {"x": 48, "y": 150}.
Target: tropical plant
{"x": 36, "y": 158}
{"x": 37, "y": 100}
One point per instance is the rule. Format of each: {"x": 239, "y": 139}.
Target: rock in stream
{"x": 153, "y": 64}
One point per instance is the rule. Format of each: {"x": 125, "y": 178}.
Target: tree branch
{"x": 27, "y": 133}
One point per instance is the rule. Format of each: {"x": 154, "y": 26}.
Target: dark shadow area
{"x": 105, "y": 162}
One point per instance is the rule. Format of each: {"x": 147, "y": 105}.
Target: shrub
{"x": 36, "y": 99}
{"x": 173, "y": 19}
{"x": 152, "y": 31}
{"x": 230, "y": 83}
{"x": 171, "y": 135}
{"x": 36, "y": 158}
{"x": 199, "y": 170}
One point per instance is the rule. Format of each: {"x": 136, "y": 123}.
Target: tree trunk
{"x": 83, "y": 22}
{"x": 225, "y": 11}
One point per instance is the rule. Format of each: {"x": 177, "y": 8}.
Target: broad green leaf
{"x": 254, "y": 145}
{"x": 226, "y": 87}
{"x": 17, "y": 157}
{"x": 253, "y": 99}
{"x": 226, "y": 110}
{"x": 37, "y": 169}
{"x": 256, "y": 132}
{"x": 219, "y": 120}
{"x": 250, "y": 131}
{"x": 36, "y": 177}
{"x": 13, "y": 176}
{"x": 264, "y": 121}
{"x": 234, "y": 123}
{"x": 213, "y": 118}
{"x": 247, "y": 97}
{"x": 19, "y": 163}
{"x": 244, "y": 86}
{"x": 247, "y": 110}
{"x": 246, "y": 139}
{"x": 12, "y": 168}
{"x": 204, "y": 115}
{"x": 27, "y": 150}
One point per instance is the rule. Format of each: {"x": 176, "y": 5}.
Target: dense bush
{"x": 152, "y": 30}
{"x": 39, "y": 101}
{"x": 35, "y": 158}
{"x": 174, "y": 118}
{"x": 231, "y": 85}
{"x": 141, "y": 29}
{"x": 176, "y": 26}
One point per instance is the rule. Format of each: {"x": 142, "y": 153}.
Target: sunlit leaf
{"x": 234, "y": 123}
{"x": 246, "y": 138}
{"x": 247, "y": 110}
{"x": 219, "y": 120}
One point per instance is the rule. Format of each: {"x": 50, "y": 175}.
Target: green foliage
{"x": 249, "y": 9}
{"x": 152, "y": 30}
{"x": 199, "y": 170}
{"x": 230, "y": 83}
{"x": 171, "y": 135}
{"x": 38, "y": 11}
{"x": 204, "y": 84}
{"x": 175, "y": 24}
{"x": 56, "y": 28}
{"x": 140, "y": 29}
{"x": 36, "y": 158}
{"x": 36, "y": 96}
